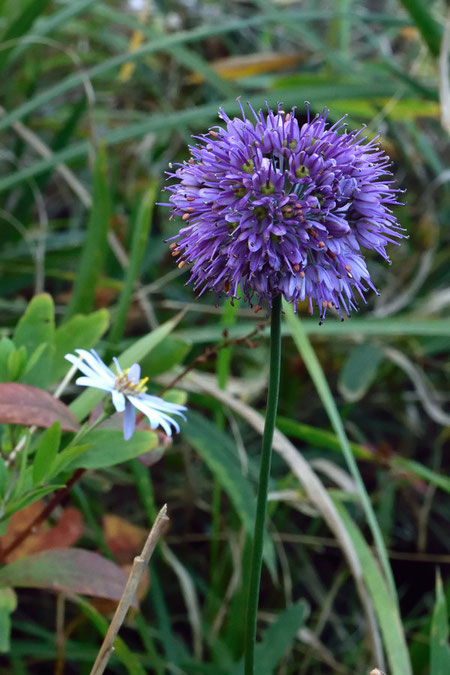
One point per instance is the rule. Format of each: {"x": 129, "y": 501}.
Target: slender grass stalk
{"x": 318, "y": 377}
{"x": 223, "y": 367}
{"x": 95, "y": 245}
{"x": 141, "y": 230}
{"x": 264, "y": 473}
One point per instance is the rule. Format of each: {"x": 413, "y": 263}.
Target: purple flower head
{"x": 278, "y": 208}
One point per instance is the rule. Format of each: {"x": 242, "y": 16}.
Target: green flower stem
{"x": 85, "y": 429}
{"x": 264, "y": 473}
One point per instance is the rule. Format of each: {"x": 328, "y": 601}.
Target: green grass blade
{"x": 439, "y": 646}
{"x": 163, "y": 44}
{"x": 166, "y": 43}
{"x": 385, "y": 606}
{"x": 430, "y": 30}
{"x": 219, "y": 453}
{"x": 318, "y": 377}
{"x": 198, "y": 117}
{"x": 82, "y": 300}
{"x": 20, "y": 26}
{"x": 48, "y": 24}
{"x": 279, "y": 637}
{"x": 186, "y": 57}
{"x": 59, "y": 142}
{"x": 421, "y": 471}
{"x": 319, "y": 438}
{"x": 128, "y": 658}
{"x": 360, "y": 327}
{"x": 141, "y": 229}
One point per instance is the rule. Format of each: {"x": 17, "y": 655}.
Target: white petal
{"x": 95, "y": 362}
{"x": 158, "y": 403}
{"x": 81, "y": 365}
{"x": 117, "y": 364}
{"x": 129, "y": 421}
{"x": 93, "y": 382}
{"x": 154, "y": 416}
{"x": 134, "y": 374}
{"x": 119, "y": 401}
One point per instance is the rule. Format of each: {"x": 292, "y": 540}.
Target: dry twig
{"x": 139, "y": 565}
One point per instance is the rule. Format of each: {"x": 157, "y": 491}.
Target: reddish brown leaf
{"x": 62, "y": 535}
{"x": 70, "y": 570}
{"x": 26, "y": 405}
{"x": 124, "y": 539}
{"x": 108, "y": 607}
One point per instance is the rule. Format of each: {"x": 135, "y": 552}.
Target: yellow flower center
{"x": 127, "y": 387}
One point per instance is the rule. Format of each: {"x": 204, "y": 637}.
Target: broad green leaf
{"x": 169, "y": 353}
{"x": 4, "y": 478}
{"x": 219, "y": 453}
{"x": 66, "y": 458}
{"x": 439, "y": 645}
{"x": 279, "y": 637}
{"x": 6, "y": 349}
{"x": 46, "y": 453}
{"x": 17, "y": 362}
{"x": 8, "y": 603}
{"x": 177, "y": 396}
{"x": 34, "y": 357}
{"x": 79, "y": 332}
{"x": 28, "y": 498}
{"x": 385, "y": 606}
{"x": 23, "y": 483}
{"x": 359, "y": 371}
{"x": 95, "y": 245}
{"x": 35, "y": 328}
{"x": 107, "y": 447}
{"x": 87, "y": 401}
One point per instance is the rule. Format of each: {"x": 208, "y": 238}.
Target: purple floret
{"x": 274, "y": 208}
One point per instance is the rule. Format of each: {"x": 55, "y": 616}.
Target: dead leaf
{"x": 124, "y": 539}
{"x": 65, "y": 533}
{"x": 26, "y": 405}
{"x": 108, "y": 607}
{"x": 234, "y": 67}
{"x": 69, "y": 570}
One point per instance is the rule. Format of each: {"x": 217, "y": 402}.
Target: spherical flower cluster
{"x": 274, "y": 208}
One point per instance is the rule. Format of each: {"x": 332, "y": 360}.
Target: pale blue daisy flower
{"x": 128, "y": 392}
